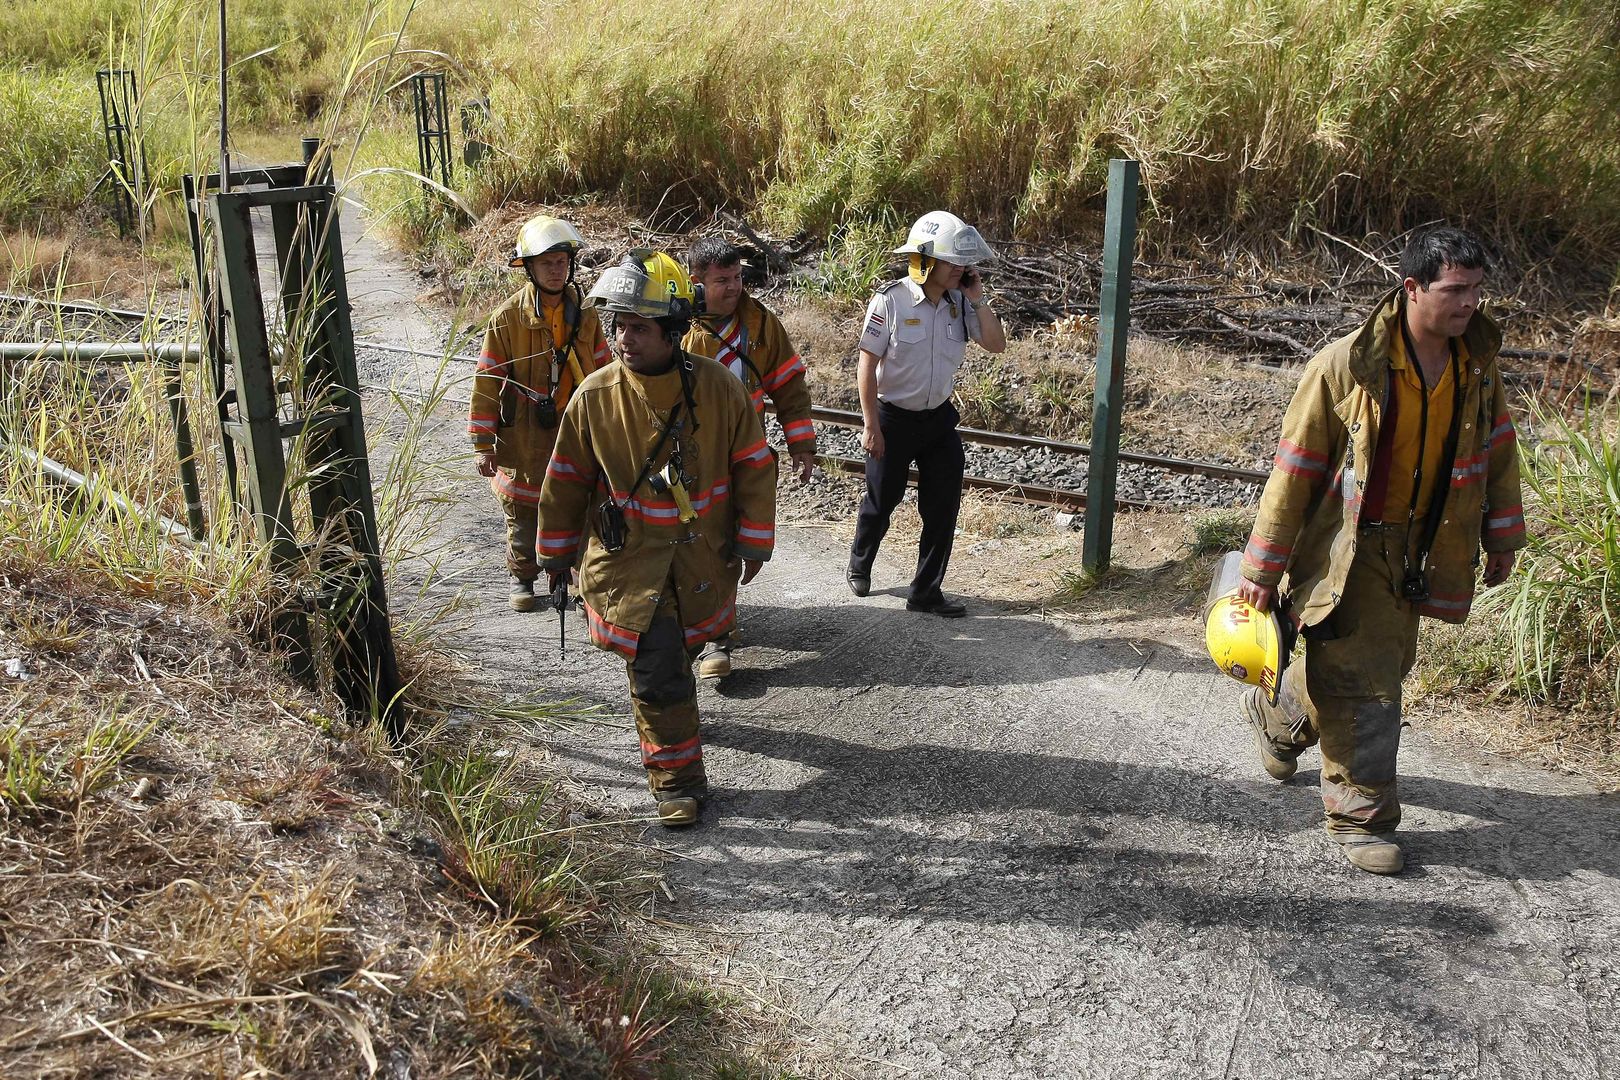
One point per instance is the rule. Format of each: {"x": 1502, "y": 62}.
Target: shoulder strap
{"x": 652, "y": 457}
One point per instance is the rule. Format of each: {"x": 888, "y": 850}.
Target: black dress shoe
{"x": 938, "y": 605}
{"x": 859, "y": 584}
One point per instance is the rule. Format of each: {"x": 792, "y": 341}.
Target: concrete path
{"x": 1012, "y": 847}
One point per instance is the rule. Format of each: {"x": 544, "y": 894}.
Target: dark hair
{"x": 713, "y": 251}
{"x": 1430, "y": 251}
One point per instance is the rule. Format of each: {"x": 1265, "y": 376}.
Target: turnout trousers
{"x": 663, "y": 695}
{"x": 929, "y": 439}
{"x": 522, "y": 522}
{"x": 1346, "y": 691}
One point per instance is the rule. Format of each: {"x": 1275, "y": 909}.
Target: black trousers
{"x": 929, "y": 439}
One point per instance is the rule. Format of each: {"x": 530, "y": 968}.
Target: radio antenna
{"x": 224, "y": 134}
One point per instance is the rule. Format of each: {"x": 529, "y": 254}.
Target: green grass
{"x": 1216, "y": 532}
{"x": 1251, "y": 119}
{"x": 1549, "y": 639}
{"x": 1563, "y": 608}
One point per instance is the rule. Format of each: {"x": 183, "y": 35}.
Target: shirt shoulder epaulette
{"x": 890, "y": 286}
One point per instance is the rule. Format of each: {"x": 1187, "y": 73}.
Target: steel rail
{"x": 1032, "y": 494}
{"x": 844, "y": 418}
{"x": 84, "y": 307}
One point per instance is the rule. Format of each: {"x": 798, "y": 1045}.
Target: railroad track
{"x": 1017, "y": 491}
{"x": 1029, "y": 494}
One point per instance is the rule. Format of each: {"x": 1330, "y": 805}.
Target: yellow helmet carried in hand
{"x": 1245, "y": 642}
{"x": 650, "y": 284}
{"x": 543, "y": 234}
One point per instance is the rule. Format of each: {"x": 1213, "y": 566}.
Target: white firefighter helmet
{"x": 940, "y": 234}
{"x": 543, "y": 234}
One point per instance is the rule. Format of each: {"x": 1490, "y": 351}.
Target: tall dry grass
{"x": 1276, "y": 117}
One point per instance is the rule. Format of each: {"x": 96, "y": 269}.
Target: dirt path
{"x": 1014, "y": 847}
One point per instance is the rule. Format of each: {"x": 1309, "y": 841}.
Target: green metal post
{"x": 1119, "y": 247}
{"x": 258, "y": 424}
{"x": 175, "y": 391}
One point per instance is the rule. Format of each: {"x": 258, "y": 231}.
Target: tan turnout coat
{"x": 607, "y": 434}
{"x": 772, "y": 367}
{"x": 515, "y": 366}
{"x": 1304, "y": 537}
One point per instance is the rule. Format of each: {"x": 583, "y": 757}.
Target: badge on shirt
{"x": 874, "y": 325}
{"x": 913, "y": 322}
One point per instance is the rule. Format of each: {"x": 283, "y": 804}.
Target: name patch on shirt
{"x": 913, "y": 322}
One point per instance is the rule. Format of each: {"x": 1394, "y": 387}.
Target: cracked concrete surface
{"x": 1009, "y": 846}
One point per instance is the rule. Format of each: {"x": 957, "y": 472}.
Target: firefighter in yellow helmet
{"x": 538, "y": 348}
{"x": 662, "y": 492}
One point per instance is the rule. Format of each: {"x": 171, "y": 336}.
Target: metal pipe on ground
{"x": 167, "y": 526}
{"x": 101, "y": 352}
{"x": 171, "y": 355}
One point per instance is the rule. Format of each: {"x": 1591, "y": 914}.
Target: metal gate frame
{"x": 291, "y": 404}
{"x": 432, "y": 125}
{"x": 118, "y": 92}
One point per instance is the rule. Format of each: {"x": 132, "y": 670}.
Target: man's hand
{"x": 803, "y": 462}
{"x": 751, "y": 569}
{"x": 1498, "y": 565}
{"x": 1260, "y": 597}
{"x": 486, "y": 462}
{"x": 872, "y": 440}
{"x": 555, "y": 578}
{"x": 973, "y": 285}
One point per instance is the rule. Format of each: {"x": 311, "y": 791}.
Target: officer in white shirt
{"x": 916, "y": 333}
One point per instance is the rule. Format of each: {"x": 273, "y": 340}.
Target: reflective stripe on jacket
{"x": 606, "y": 435}
{"x": 1304, "y": 535}
{"x": 779, "y": 373}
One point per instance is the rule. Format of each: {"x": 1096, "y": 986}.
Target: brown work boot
{"x": 677, "y": 808}
{"x": 522, "y": 598}
{"x": 1374, "y": 854}
{"x": 715, "y": 662}
{"x": 1279, "y": 767}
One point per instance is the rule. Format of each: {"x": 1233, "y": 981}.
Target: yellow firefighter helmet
{"x": 650, "y": 284}
{"x": 1245, "y": 642}
{"x": 543, "y": 234}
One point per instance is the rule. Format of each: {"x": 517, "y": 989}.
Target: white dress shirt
{"x": 919, "y": 345}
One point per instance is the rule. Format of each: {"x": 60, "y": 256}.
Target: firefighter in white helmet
{"x": 914, "y": 339}
{"x": 662, "y": 491}
{"x": 539, "y": 347}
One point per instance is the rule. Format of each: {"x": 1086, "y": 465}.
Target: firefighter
{"x": 915, "y": 336}
{"x": 1396, "y": 468}
{"x": 539, "y": 347}
{"x": 750, "y": 341}
{"x": 662, "y": 491}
